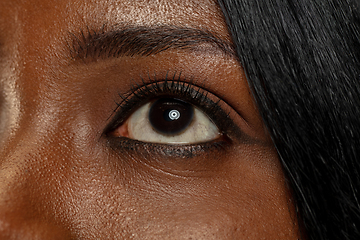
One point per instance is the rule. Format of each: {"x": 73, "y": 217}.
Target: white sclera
{"x": 200, "y": 130}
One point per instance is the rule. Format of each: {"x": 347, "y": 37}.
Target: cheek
{"x": 244, "y": 197}
{"x": 58, "y": 175}
{"x": 58, "y": 179}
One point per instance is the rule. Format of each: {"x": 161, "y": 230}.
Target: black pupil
{"x": 170, "y": 116}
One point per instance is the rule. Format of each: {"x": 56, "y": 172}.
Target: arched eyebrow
{"x": 91, "y": 45}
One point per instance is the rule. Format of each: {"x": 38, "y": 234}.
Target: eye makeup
{"x": 179, "y": 87}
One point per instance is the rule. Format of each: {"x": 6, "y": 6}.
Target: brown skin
{"x": 59, "y": 179}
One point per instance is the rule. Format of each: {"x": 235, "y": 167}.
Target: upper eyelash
{"x": 154, "y": 85}
{"x": 177, "y": 86}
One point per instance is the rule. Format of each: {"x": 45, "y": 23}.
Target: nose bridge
{"x": 31, "y": 173}
{"x": 31, "y": 180}
{"x": 39, "y": 145}
{"x": 36, "y": 145}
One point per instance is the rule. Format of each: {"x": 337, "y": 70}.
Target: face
{"x": 126, "y": 119}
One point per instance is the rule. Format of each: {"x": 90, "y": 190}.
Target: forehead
{"x": 69, "y": 14}
{"x": 38, "y": 28}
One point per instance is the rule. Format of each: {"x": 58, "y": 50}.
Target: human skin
{"x": 61, "y": 176}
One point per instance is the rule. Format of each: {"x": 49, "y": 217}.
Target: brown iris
{"x": 170, "y": 116}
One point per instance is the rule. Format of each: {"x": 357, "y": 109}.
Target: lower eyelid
{"x": 150, "y": 151}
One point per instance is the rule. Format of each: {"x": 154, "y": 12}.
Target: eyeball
{"x": 169, "y": 121}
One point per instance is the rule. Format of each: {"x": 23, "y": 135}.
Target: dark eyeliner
{"x": 180, "y": 88}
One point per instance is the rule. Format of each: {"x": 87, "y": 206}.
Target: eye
{"x": 175, "y": 117}
{"x": 169, "y": 121}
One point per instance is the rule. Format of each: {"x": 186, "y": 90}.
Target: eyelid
{"x": 189, "y": 91}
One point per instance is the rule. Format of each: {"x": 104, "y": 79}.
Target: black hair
{"x": 302, "y": 60}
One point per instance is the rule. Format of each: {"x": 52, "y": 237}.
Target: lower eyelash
{"x": 166, "y": 150}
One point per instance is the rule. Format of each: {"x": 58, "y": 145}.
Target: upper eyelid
{"x": 180, "y": 79}
{"x": 156, "y": 90}
{"x": 220, "y": 117}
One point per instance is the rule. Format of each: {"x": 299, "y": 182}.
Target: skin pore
{"x": 65, "y": 175}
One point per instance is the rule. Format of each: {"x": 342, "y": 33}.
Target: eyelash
{"x": 175, "y": 87}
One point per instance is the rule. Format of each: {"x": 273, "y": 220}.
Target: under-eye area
{"x": 181, "y": 118}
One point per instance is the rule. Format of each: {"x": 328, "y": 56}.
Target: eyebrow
{"x": 142, "y": 41}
